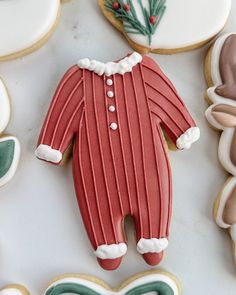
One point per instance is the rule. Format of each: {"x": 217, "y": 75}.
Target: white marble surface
{"x": 41, "y": 232}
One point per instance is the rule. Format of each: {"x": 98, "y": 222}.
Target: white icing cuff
{"x": 45, "y": 152}
{"x": 111, "y": 251}
{"x": 190, "y": 136}
{"x": 152, "y": 245}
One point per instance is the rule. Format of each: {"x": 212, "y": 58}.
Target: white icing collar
{"x": 121, "y": 67}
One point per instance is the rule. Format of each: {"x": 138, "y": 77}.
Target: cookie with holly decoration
{"x": 164, "y": 26}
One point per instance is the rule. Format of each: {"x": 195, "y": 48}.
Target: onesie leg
{"x": 102, "y": 220}
{"x": 153, "y": 214}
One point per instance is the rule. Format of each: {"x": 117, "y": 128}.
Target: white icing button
{"x": 113, "y": 126}
{"x": 112, "y": 109}
{"x": 110, "y": 94}
{"x": 109, "y": 82}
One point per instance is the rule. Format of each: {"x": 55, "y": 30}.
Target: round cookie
{"x": 9, "y": 145}
{"x": 150, "y": 282}
{"x": 25, "y": 25}
{"x": 4, "y": 107}
{"x": 164, "y": 26}
{"x": 220, "y": 72}
{"x": 114, "y": 113}
{"x": 14, "y": 290}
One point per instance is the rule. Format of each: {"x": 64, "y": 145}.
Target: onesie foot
{"x": 110, "y": 264}
{"x": 110, "y": 256}
{"x": 153, "y": 258}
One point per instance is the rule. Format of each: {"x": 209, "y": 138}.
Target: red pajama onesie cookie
{"x": 114, "y": 113}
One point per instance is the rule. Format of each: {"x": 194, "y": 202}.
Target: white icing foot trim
{"x": 190, "y": 136}
{"x": 45, "y": 152}
{"x": 111, "y": 251}
{"x": 152, "y": 245}
{"x": 121, "y": 67}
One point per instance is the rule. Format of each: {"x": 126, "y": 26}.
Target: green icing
{"x": 132, "y": 24}
{"x": 7, "y": 150}
{"x": 71, "y": 288}
{"x": 160, "y": 287}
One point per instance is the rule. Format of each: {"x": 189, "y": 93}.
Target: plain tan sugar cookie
{"x": 164, "y": 26}
{"x": 25, "y": 25}
{"x": 220, "y": 73}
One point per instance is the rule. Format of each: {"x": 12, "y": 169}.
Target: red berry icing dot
{"x": 116, "y": 5}
{"x": 153, "y": 19}
{"x": 127, "y": 7}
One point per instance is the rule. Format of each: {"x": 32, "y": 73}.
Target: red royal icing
{"x": 125, "y": 170}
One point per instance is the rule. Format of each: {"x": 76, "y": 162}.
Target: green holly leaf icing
{"x": 161, "y": 288}
{"x": 7, "y": 150}
{"x": 131, "y": 23}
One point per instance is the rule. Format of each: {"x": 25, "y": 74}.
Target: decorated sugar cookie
{"x": 152, "y": 282}
{"x": 167, "y": 26}
{"x": 25, "y": 25}
{"x": 221, "y": 76}
{"x": 9, "y": 145}
{"x": 14, "y": 290}
{"x": 114, "y": 112}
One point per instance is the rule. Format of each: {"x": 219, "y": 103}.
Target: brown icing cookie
{"x": 228, "y": 69}
{"x": 220, "y": 69}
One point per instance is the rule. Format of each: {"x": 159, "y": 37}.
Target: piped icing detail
{"x": 111, "y": 68}
{"x": 127, "y": 13}
{"x": 4, "y": 107}
{"x": 187, "y": 31}
{"x": 111, "y": 251}
{"x": 158, "y": 282}
{"x": 233, "y": 233}
{"x": 218, "y": 70}
{"x": 152, "y": 245}
{"x": 120, "y": 164}
{"x": 222, "y": 115}
{"x": 227, "y": 67}
{"x": 45, "y": 152}
{"x": 9, "y": 145}
{"x": 9, "y": 158}
{"x": 150, "y": 282}
{"x": 185, "y": 141}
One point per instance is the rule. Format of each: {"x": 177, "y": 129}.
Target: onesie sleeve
{"x": 166, "y": 104}
{"x": 63, "y": 117}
